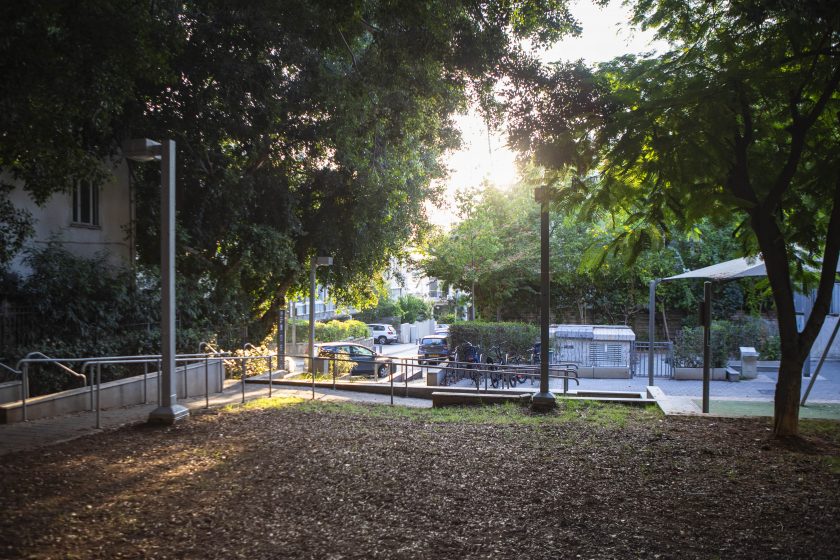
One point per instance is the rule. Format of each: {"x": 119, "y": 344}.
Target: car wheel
{"x": 382, "y": 340}
{"x": 382, "y": 371}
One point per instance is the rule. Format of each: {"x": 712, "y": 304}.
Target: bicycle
{"x": 498, "y": 372}
{"x": 469, "y": 356}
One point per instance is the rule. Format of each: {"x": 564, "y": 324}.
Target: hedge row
{"x": 511, "y": 338}
{"x": 330, "y": 331}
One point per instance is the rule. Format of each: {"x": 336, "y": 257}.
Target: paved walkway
{"x": 48, "y": 431}
{"x": 682, "y": 396}
{"x": 826, "y": 387}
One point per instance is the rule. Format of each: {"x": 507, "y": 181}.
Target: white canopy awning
{"x": 729, "y": 270}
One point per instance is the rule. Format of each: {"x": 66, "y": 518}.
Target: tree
{"x": 412, "y": 308}
{"x": 334, "y": 117}
{"x": 303, "y": 127}
{"x": 736, "y": 123}
{"x": 490, "y": 252}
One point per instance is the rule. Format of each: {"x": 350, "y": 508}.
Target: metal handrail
{"x": 208, "y": 345}
{"x": 99, "y": 362}
{"x": 46, "y": 359}
{"x": 11, "y": 369}
{"x": 24, "y": 382}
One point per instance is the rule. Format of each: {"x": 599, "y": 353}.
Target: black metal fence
{"x": 18, "y": 325}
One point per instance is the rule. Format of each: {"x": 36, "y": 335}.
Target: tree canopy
{"x": 737, "y": 123}
{"x": 303, "y": 127}
{"x": 496, "y": 245}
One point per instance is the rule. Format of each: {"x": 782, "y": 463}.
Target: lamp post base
{"x": 168, "y": 415}
{"x": 543, "y": 402}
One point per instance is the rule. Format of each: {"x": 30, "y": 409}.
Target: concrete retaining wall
{"x": 717, "y": 374}
{"x": 588, "y": 372}
{"x": 10, "y": 391}
{"x": 124, "y": 392}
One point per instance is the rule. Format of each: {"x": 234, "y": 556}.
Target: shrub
{"x": 726, "y": 339}
{"x": 412, "y": 308}
{"x": 511, "y": 338}
{"x": 447, "y": 318}
{"x": 330, "y": 331}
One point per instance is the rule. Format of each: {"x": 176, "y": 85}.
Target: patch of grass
{"x": 833, "y": 464}
{"x": 827, "y": 429}
{"x": 264, "y": 404}
{"x": 601, "y": 414}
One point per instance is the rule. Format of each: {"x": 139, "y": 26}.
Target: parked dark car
{"x": 433, "y": 348}
{"x": 365, "y": 361}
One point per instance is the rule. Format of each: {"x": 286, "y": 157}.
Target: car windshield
{"x": 359, "y": 351}
{"x": 434, "y": 342}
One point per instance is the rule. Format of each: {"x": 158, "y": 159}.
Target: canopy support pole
{"x": 819, "y": 365}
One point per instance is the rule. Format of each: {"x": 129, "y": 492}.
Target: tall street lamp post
{"x": 314, "y": 263}
{"x": 168, "y": 411}
{"x": 544, "y": 400}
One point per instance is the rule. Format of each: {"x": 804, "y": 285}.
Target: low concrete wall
{"x": 124, "y": 392}
{"x": 589, "y": 372}
{"x": 693, "y": 373}
{"x": 10, "y": 391}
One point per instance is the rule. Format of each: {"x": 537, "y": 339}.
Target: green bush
{"x": 330, "y": 331}
{"x": 412, "y": 308}
{"x": 511, "y": 338}
{"x": 447, "y": 318}
{"x": 726, "y": 339}
{"x": 386, "y": 309}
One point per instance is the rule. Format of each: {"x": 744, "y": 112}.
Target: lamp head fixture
{"x": 141, "y": 149}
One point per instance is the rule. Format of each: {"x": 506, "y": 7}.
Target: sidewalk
{"x": 23, "y": 436}
{"x": 744, "y": 398}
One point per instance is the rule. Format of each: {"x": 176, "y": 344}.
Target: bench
{"x": 440, "y": 398}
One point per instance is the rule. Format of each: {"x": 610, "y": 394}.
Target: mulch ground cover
{"x": 309, "y": 480}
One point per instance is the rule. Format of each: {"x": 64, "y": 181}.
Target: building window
{"x": 86, "y": 204}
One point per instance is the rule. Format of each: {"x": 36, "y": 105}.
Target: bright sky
{"x": 606, "y": 34}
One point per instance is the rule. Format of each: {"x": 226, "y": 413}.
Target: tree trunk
{"x": 788, "y": 387}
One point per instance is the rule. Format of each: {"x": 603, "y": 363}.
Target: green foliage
{"x": 726, "y": 339}
{"x": 72, "y": 79}
{"x": 447, "y": 319}
{"x": 304, "y": 127}
{"x": 330, "y": 331}
{"x": 511, "y": 338}
{"x": 502, "y": 230}
{"x": 83, "y": 307}
{"x": 736, "y": 123}
{"x": 412, "y": 308}
{"x": 407, "y": 309}
{"x": 340, "y": 330}
{"x": 386, "y": 310}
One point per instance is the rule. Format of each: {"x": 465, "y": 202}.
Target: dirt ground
{"x": 301, "y": 480}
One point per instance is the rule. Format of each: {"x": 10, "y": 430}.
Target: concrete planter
{"x": 696, "y": 373}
